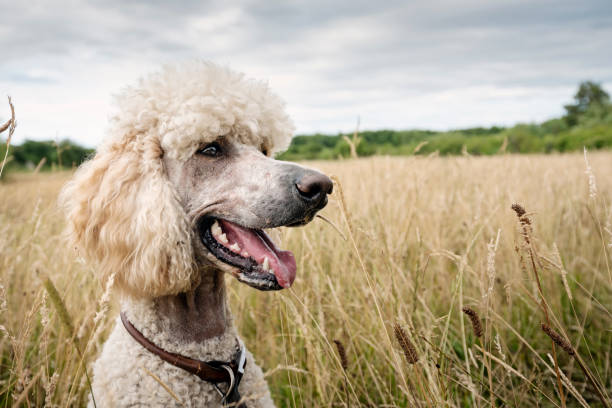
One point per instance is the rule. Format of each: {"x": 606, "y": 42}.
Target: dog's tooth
{"x": 235, "y": 247}
{"x": 265, "y": 265}
{"x": 223, "y": 238}
{"x": 245, "y": 254}
{"x": 216, "y": 229}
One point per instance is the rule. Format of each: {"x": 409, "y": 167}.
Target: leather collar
{"x": 212, "y": 371}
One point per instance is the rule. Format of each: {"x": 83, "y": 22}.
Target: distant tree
{"x": 589, "y": 95}
{"x": 31, "y": 152}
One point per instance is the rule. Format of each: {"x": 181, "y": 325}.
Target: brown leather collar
{"x": 212, "y": 371}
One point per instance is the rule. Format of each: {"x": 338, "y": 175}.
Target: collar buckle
{"x": 235, "y": 370}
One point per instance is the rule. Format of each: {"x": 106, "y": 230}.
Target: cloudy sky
{"x": 436, "y": 64}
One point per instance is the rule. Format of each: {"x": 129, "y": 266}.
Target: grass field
{"x": 417, "y": 240}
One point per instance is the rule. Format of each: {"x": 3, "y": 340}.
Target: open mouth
{"x": 259, "y": 262}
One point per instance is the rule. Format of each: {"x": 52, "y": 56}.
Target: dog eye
{"x": 211, "y": 150}
{"x": 265, "y": 152}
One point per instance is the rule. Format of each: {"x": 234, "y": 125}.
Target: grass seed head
{"x": 475, "y": 319}
{"x": 518, "y": 209}
{"x": 521, "y": 214}
{"x": 342, "y": 354}
{"x": 60, "y": 306}
{"x": 558, "y": 339}
{"x": 404, "y": 341}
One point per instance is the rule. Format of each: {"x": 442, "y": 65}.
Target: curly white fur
{"x": 125, "y": 216}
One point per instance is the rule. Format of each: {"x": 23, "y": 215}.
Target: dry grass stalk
{"x": 50, "y": 385}
{"x": 591, "y": 176}
{"x": 525, "y": 223}
{"x": 420, "y": 146}
{"x": 60, "y": 306}
{"x": 569, "y": 385}
{"x": 5, "y": 126}
{"x": 29, "y": 383}
{"x": 11, "y": 121}
{"x": 347, "y": 219}
{"x": 62, "y": 311}
{"x": 475, "y": 319}
{"x": 456, "y": 364}
{"x": 355, "y": 141}
{"x": 10, "y": 125}
{"x": 498, "y": 346}
{"x": 562, "y": 270}
{"x": 565, "y": 345}
{"x": 3, "y": 302}
{"x": 164, "y": 385}
{"x": 555, "y": 337}
{"x": 412, "y": 357}
{"x": 491, "y": 250}
{"x": 327, "y": 220}
{"x": 39, "y": 165}
{"x": 502, "y": 148}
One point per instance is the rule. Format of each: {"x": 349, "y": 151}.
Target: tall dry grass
{"x": 419, "y": 240}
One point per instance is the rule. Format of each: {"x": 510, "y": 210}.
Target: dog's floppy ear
{"x": 124, "y": 215}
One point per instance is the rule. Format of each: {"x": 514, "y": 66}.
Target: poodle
{"x": 177, "y": 196}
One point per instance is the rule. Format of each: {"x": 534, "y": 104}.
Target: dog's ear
{"x": 124, "y": 215}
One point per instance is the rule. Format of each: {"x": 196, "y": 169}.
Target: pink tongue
{"x": 282, "y": 263}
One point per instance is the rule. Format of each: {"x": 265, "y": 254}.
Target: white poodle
{"x": 176, "y": 196}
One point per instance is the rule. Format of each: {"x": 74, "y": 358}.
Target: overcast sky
{"x": 407, "y": 64}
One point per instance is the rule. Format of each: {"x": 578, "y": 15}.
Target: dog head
{"x": 185, "y": 182}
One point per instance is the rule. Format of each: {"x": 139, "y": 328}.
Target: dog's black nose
{"x": 314, "y": 186}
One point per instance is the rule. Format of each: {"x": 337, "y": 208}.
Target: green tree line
{"x": 587, "y": 122}
{"x": 44, "y": 154}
